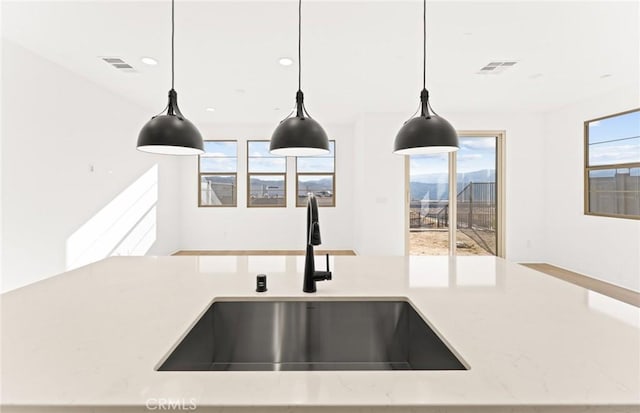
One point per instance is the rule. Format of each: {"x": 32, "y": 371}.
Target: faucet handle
{"x": 327, "y": 274}
{"x": 323, "y": 275}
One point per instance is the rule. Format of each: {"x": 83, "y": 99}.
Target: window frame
{"x": 250, "y": 174}
{"x": 588, "y": 168}
{"x": 201, "y": 174}
{"x": 333, "y": 174}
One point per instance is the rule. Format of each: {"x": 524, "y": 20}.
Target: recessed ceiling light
{"x": 285, "y": 61}
{"x": 149, "y": 61}
{"x": 210, "y": 109}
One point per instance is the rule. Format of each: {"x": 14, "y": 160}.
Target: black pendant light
{"x": 427, "y": 133}
{"x": 299, "y": 135}
{"x": 171, "y": 133}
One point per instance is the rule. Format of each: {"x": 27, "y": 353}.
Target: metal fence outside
{"x": 476, "y": 213}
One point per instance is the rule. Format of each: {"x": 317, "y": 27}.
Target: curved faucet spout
{"x": 313, "y": 226}
{"x": 313, "y": 239}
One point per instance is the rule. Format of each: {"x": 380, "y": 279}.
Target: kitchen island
{"x": 90, "y": 340}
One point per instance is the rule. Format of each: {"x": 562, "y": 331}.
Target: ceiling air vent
{"x": 119, "y": 64}
{"x": 496, "y": 67}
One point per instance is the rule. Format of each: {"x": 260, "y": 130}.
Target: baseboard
{"x": 259, "y": 252}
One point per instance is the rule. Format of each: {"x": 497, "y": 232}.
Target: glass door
{"x": 429, "y": 204}
{"x": 455, "y": 200}
{"x": 476, "y": 196}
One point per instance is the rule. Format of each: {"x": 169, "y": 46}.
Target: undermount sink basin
{"x": 311, "y": 335}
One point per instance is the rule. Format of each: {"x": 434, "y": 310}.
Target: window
{"x": 217, "y": 174}
{"x": 612, "y": 165}
{"x": 266, "y": 176}
{"x": 317, "y": 174}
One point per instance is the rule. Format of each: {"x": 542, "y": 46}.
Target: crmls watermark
{"x": 171, "y": 404}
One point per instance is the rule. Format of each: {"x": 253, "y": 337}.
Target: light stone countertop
{"x": 93, "y": 336}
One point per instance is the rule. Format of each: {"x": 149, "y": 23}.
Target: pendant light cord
{"x": 299, "y": 44}
{"x": 172, "y": 43}
{"x": 424, "y": 44}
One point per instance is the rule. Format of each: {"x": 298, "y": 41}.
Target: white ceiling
{"x": 359, "y": 56}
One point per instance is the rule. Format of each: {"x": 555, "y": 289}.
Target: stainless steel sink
{"x": 311, "y": 335}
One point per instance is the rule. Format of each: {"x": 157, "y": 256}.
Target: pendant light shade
{"x": 299, "y": 135}
{"x": 169, "y": 132}
{"x": 427, "y": 133}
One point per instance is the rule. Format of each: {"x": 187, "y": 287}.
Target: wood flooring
{"x": 614, "y": 291}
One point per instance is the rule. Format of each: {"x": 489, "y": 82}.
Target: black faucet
{"x": 313, "y": 238}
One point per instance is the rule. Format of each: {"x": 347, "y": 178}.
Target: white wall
{"x": 1, "y": 145}
{"x": 243, "y": 228}
{"x": 379, "y": 215}
{"x": 369, "y": 216}
{"x": 601, "y": 247}
{"x": 379, "y": 206}
{"x": 56, "y": 124}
